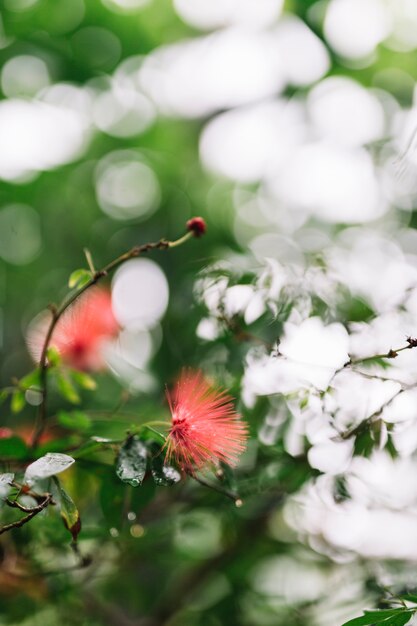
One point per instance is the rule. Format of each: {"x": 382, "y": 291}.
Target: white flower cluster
{"x": 327, "y": 398}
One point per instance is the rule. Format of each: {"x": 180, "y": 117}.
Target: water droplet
{"x": 114, "y": 532}
{"x": 137, "y": 531}
{"x": 131, "y": 516}
{"x": 238, "y": 503}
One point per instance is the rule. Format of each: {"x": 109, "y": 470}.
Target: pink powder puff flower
{"x": 80, "y": 333}
{"x": 205, "y": 426}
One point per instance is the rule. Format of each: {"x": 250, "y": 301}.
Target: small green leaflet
{"x": 66, "y": 387}
{"x": 83, "y": 380}
{"x": 386, "y": 617}
{"x": 18, "y": 401}
{"x": 79, "y": 278}
{"x": 131, "y": 462}
{"x": 69, "y": 512}
{"x": 33, "y": 379}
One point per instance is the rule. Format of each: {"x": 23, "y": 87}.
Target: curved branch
{"x": 57, "y": 313}
{"x": 31, "y": 512}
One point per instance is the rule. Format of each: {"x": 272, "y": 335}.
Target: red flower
{"x": 80, "y": 333}
{"x": 205, "y": 427}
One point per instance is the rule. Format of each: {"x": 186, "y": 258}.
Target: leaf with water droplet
{"x": 131, "y": 462}
{"x": 48, "y": 465}
{"x": 163, "y": 475}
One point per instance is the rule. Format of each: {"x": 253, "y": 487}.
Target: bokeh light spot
{"x": 24, "y": 75}
{"x": 140, "y": 294}
{"x": 126, "y": 187}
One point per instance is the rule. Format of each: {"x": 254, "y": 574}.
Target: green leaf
{"x": 79, "y": 278}
{"x": 18, "y": 401}
{"x": 3, "y": 396}
{"x": 131, "y": 462}
{"x": 83, "y": 380}
{"x": 53, "y": 356}
{"x": 74, "y": 420}
{"x": 33, "y": 379}
{"x": 385, "y": 616}
{"x": 69, "y": 512}
{"x": 66, "y": 388}
{"x": 13, "y": 448}
{"x": 303, "y": 402}
{"x": 400, "y": 620}
{"x": 48, "y": 465}
{"x": 411, "y": 597}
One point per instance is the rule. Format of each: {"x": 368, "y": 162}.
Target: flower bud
{"x": 197, "y": 226}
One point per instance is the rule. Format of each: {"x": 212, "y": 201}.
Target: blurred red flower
{"x": 80, "y": 333}
{"x": 205, "y": 427}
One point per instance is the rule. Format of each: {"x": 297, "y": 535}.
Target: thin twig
{"x": 90, "y": 261}
{"x": 32, "y": 512}
{"x": 57, "y": 313}
{"x": 391, "y": 354}
{"x": 224, "y": 492}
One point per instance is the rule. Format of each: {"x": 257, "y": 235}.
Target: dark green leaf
{"x": 3, "y": 396}
{"x": 411, "y": 597}
{"x": 400, "y": 620}
{"x": 75, "y": 420}
{"x": 112, "y": 496}
{"x": 131, "y": 462}
{"x": 378, "y": 617}
{"x": 13, "y": 448}
{"x": 79, "y": 278}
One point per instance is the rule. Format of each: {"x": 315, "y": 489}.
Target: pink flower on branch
{"x": 80, "y": 333}
{"x": 205, "y": 426}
